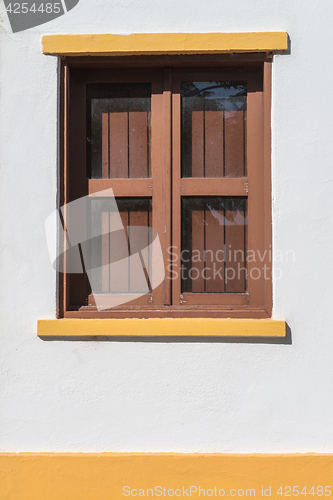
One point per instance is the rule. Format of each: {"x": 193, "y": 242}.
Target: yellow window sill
{"x": 161, "y": 327}
{"x": 164, "y": 43}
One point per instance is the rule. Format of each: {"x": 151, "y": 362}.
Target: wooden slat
{"x": 138, "y": 282}
{"x": 119, "y": 145}
{"x": 198, "y": 151}
{"x": 121, "y": 187}
{"x": 214, "y": 143}
{"x": 214, "y": 250}
{"x": 198, "y": 247}
{"x": 119, "y": 251}
{"x": 98, "y": 132}
{"x": 213, "y": 187}
{"x": 138, "y": 139}
{"x": 234, "y": 143}
{"x": 235, "y": 252}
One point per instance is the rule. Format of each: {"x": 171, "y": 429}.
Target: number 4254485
{"x": 23, "y": 8}
{"x": 294, "y": 491}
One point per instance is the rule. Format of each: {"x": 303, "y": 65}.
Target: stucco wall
{"x": 188, "y": 397}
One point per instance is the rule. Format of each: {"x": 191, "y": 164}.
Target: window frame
{"x": 260, "y": 305}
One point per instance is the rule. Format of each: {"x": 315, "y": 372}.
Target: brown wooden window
{"x": 185, "y": 147}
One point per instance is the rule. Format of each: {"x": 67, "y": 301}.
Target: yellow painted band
{"x": 194, "y": 327}
{"x": 118, "y": 476}
{"x": 164, "y": 43}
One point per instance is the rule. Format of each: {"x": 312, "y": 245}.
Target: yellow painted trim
{"x": 164, "y": 43}
{"x": 104, "y": 476}
{"x": 194, "y": 327}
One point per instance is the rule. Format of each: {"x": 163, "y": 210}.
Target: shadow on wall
{"x": 30, "y": 14}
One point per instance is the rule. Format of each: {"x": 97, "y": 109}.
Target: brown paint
{"x": 257, "y": 302}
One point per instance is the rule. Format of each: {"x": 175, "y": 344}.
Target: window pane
{"x": 111, "y": 269}
{"x": 213, "y": 129}
{"x": 213, "y": 245}
{"x": 118, "y": 130}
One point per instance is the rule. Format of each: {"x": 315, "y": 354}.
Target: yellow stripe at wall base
{"x": 113, "y": 476}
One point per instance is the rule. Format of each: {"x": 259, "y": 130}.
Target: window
{"x": 184, "y": 143}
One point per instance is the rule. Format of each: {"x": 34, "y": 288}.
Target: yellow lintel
{"x": 164, "y": 43}
{"x": 157, "y": 327}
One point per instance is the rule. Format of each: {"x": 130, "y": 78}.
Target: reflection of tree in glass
{"x": 233, "y": 208}
{"x": 226, "y": 95}
{"x": 234, "y": 212}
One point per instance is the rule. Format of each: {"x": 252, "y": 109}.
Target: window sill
{"x": 161, "y": 327}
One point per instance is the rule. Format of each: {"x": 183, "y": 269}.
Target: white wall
{"x": 188, "y": 397}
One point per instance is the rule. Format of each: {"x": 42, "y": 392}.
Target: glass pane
{"x": 213, "y": 118}
{"x": 116, "y": 234}
{"x": 213, "y": 245}
{"x": 118, "y": 133}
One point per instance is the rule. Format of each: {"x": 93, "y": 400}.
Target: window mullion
{"x": 161, "y": 177}
{"x": 176, "y": 193}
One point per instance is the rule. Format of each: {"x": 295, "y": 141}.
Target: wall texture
{"x": 186, "y": 397}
